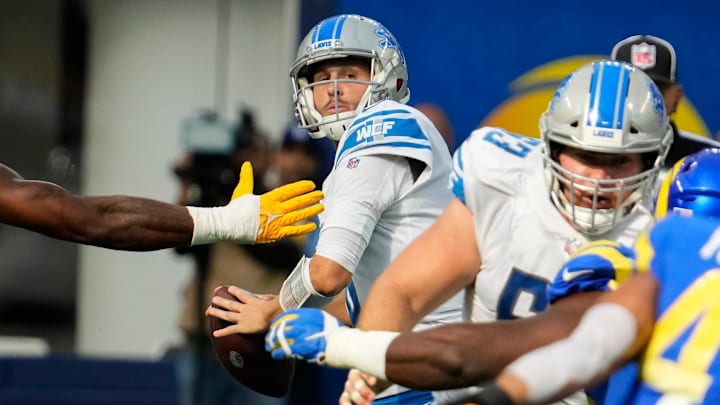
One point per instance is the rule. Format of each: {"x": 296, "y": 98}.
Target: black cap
{"x": 655, "y": 56}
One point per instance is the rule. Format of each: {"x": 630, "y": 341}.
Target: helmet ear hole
{"x": 634, "y": 130}
{"x": 574, "y": 124}
{"x": 399, "y": 84}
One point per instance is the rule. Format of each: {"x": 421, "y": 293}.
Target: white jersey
{"x": 372, "y": 194}
{"x": 522, "y": 238}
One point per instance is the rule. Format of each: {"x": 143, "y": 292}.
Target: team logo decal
{"x": 388, "y": 41}
{"x": 643, "y": 55}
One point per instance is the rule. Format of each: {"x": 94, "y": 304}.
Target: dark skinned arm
{"x": 115, "y": 222}
{"x": 460, "y": 355}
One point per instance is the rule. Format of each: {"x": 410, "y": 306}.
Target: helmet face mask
{"x": 347, "y": 36}
{"x": 606, "y": 107}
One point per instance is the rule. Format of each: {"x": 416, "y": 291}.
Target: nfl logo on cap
{"x": 651, "y": 54}
{"x": 643, "y": 55}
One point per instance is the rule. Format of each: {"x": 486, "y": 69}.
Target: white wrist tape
{"x": 603, "y": 335}
{"x": 238, "y": 221}
{"x": 298, "y": 291}
{"x": 363, "y": 350}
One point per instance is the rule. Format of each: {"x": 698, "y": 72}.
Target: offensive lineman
{"x": 664, "y": 318}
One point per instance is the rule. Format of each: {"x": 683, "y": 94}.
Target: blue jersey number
{"x": 520, "y": 283}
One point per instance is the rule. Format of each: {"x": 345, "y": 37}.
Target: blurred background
{"x": 94, "y": 95}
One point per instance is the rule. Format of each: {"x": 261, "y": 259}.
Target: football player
{"x": 665, "y": 316}
{"x": 388, "y": 184}
{"x": 133, "y": 223}
{"x": 521, "y": 205}
{"x": 467, "y": 353}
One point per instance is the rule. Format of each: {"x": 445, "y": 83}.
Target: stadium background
{"x": 92, "y": 94}
{"x": 498, "y": 62}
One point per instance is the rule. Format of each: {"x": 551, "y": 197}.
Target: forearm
{"x": 604, "y": 335}
{"x": 314, "y": 282}
{"x": 114, "y": 222}
{"x": 129, "y": 223}
{"x": 467, "y": 354}
{"x": 337, "y": 309}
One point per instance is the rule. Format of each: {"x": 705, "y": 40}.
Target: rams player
{"x": 388, "y": 184}
{"x": 666, "y": 316}
{"x": 520, "y": 205}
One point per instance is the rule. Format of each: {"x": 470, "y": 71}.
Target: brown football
{"x": 245, "y": 358}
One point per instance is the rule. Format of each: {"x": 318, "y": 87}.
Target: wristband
{"x": 238, "y": 221}
{"x": 298, "y": 291}
{"x": 355, "y": 348}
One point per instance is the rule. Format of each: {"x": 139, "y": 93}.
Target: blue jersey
{"x": 681, "y": 360}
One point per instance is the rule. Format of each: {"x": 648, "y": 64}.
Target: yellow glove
{"x": 283, "y": 209}
{"x": 250, "y": 218}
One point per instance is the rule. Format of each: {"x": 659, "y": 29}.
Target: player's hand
{"x": 249, "y": 314}
{"x": 283, "y": 210}
{"x": 361, "y": 388}
{"x": 250, "y": 218}
{"x": 301, "y": 333}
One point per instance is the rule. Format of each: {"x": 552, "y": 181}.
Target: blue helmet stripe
{"x": 608, "y": 92}
{"x": 330, "y": 28}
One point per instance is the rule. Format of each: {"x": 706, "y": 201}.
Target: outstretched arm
{"x": 445, "y": 357}
{"x": 132, "y": 223}
{"x": 117, "y": 222}
{"x": 612, "y": 331}
{"x": 466, "y": 354}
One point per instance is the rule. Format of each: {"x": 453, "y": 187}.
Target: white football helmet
{"x": 605, "y": 107}
{"x": 339, "y": 37}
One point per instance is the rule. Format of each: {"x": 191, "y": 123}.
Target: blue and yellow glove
{"x": 301, "y": 333}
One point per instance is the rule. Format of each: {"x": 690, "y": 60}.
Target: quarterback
{"x": 388, "y": 184}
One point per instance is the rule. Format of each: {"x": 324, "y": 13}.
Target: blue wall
{"x": 463, "y": 55}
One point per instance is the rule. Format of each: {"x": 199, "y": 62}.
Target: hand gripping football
{"x": 245, "y": 358}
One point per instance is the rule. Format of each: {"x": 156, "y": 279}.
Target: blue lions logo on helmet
{"x": 559, "y": 91}
{"x": 387, "y": 40}
{"x": 658, "y": 101}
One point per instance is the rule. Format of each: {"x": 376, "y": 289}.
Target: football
{"x": 245, "y": 358}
